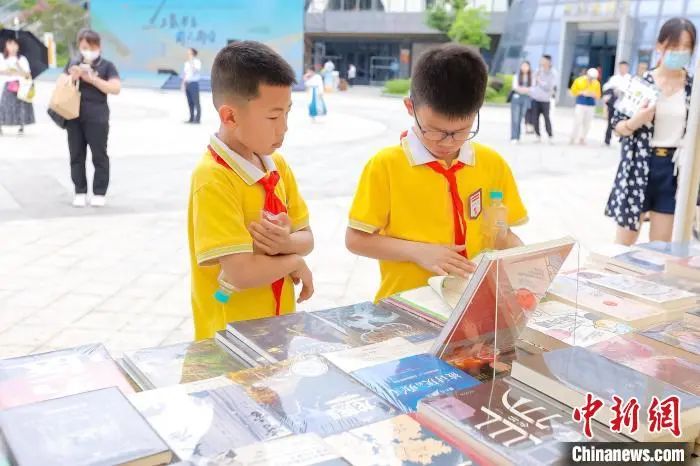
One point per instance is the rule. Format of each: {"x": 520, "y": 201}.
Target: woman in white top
{"x": 13, "y": 68}
{"x": 646, "y": 180}
{"x": 519, "y": 99}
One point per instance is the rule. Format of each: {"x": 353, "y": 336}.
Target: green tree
{"x": 61, "y": 18}
{"x": 462, "y": 24}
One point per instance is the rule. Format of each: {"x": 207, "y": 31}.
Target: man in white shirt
{"x": 190, "y": 84}
{"x": 612, "y": 91}
{"x": 352, "y": 74}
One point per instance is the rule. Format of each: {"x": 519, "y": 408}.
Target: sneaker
{"x": 80, "y": 200}
{"x": 98, "y": 201}
{"x": 551, "y": 141}
{"x": 514, "y": 141}
{"x": 20, "y": 132}
{"x": 538, "y": 138}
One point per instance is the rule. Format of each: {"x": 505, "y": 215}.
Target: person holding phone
{"x": 97, "y": 78}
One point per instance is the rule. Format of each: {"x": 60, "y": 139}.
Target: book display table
{"x": 502, "y": 368}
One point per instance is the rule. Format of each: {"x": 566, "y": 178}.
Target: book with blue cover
{"x": 404, "y": 382}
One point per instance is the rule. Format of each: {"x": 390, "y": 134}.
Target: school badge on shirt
{"x": 475, "y": 204}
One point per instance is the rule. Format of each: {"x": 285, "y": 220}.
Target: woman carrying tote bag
{"x": 97, "y": 78}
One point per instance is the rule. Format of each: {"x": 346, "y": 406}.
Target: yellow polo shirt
{"x": 223, "y": 202}
{"x": 399, "y": 196}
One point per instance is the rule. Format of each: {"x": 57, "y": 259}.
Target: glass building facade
{"x": 579, "y": 34}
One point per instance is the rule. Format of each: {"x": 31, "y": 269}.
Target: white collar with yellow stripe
{"x": 418, "y": 155}
{"x": 243, "y": 168}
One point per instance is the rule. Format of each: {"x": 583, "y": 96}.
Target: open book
{"x": 498, "y": 300}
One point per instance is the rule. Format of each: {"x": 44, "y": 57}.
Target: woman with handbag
{"x": 97, "y": 78}
{"x": 14, "y": 70}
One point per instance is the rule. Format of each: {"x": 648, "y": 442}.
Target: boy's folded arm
{"x": 301, "y": 242}
{"x": 247, "y": 270}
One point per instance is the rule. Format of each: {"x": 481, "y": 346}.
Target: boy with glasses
{"x": 419, "y": 205}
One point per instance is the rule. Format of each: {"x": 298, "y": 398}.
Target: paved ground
{"x": 120, "y": 274}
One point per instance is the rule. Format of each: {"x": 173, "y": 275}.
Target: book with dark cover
{"x": 678, "y": 334}
{"x": 399, "y": 441}
{"x": 404, "y": 382}
{"x": 509, "y": 423}
{"x": 97, "y": 428}
{"x": 180, "y": 363}
{"x": 291, "y": 335}
{"x": 239, "y": 350}
{"x": 662, "y": 362}
{"x": 299, "y": 450}
{"x": 44, "y": 376}
{"x": 207, "y": 419}
{"x": 372, "y": 324}
{"x": 311, "y": 395}
{"x": 567, "y": 375}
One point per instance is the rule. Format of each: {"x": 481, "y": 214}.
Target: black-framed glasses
{"x": 439, "y": 136}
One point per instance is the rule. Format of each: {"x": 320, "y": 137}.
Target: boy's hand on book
{"x": 271, "y": 237}
{"x": 303, "y": 275}
{"x": 443, "y": 260}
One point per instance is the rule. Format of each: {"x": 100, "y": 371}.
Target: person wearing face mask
{"x": 97, "y": 78}
{"x": 646, "y": 179}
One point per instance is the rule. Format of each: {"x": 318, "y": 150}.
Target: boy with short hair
{"x": 419, "y": 205}
{"x": 247, "y": 222}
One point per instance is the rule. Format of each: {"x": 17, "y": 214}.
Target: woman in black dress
{"x": 646, "y": 179}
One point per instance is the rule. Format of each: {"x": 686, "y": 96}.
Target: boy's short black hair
{"x": 450, "y": 79}
{"x": 240, "y": 68}
{"x": 547, "y": 57}
{"x": 194, "y": 51}
{"x": 623, "y": 62}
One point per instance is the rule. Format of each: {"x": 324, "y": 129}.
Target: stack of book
{"x": 207, "y": 419}
{"x": 568, "y": 375}
{"x": 481, "y": 371}
{"x": 266, "y": 341}
{"x": 179, "y": 364}
{"x": 507, "y": 422}
{"x": 94, "y": 427}
{"x": 399, "y": 373}
{"x": 45, "y": 376}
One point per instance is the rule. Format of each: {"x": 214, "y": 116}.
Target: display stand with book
{"x": 489, "y": 370}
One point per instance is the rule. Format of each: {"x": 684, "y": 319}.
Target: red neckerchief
{"x": 458, "y": 218}
{"x": 272, "y": 204}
